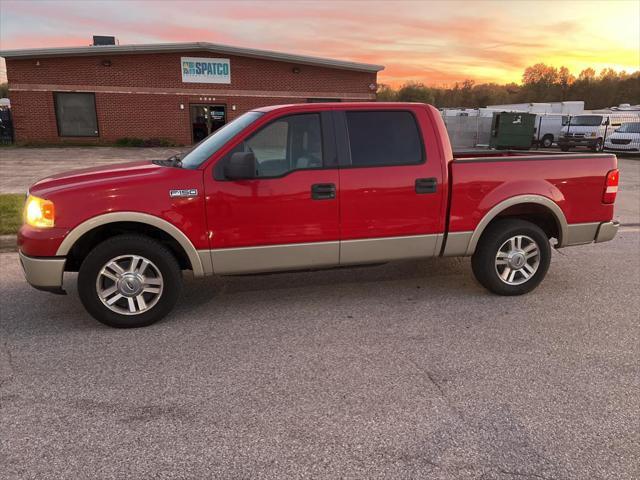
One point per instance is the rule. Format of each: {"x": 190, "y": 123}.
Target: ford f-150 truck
{"x": 309, "y": 186}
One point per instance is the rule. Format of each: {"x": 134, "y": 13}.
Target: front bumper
{"x": 577, "y": 142}
{"x": 44, "y": 273}
{"x": 621, "y": 148}
{"x": 607, "y": 231}
{"x": 583, "y": 233}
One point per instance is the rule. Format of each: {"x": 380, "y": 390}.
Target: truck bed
{"x": 515, "y": 155}
{"x": 574, "y": 181}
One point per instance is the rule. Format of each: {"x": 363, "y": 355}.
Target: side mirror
{"x": 241, "y": 166}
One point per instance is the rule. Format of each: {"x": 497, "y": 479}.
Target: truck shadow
{"x": 430, "y": 275}
{"x": 38, "y": 313}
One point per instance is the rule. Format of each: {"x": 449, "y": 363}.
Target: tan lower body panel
{"x": 271, "y": 258}
{"x": 229, "y": 261}
{"x": 607, "y": 231}
{"x": 386, "y": 249}
{"x": 457, "y": 244}
{"x": 581, "y": 233}
{"x": 205, "y": 259}
{"x": 43, "y": 272}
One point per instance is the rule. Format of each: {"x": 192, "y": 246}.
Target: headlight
{"x": 39, "y": 212}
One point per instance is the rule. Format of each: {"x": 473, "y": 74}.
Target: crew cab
{"x": 310, "y": 186}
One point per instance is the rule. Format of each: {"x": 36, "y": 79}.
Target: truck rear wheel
{"x": 129, "y": 281}
{"x": 547, "y": 141}
{"x": 512, "y": 257}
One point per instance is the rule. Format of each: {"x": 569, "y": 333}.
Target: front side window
{"x": 286, "y": 144}
{"x": 76, "y": 114}
{"x": 383, "y": 138}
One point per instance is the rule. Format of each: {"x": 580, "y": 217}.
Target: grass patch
{"x": 11, "y": 213}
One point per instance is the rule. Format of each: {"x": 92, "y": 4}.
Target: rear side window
{"x": 383, "y": 138}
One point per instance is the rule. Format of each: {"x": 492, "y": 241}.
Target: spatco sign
{"x": 205, "y": 70}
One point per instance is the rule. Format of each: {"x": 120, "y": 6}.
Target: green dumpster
{"x": 512, "y": 130}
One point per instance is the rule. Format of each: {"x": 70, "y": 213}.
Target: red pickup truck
{"x": 305, "y": 187}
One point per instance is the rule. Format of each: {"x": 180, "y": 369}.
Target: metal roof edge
{"x": 189, "y": 46}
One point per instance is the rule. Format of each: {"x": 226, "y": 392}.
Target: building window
{"x": 383, "y": 138}
{"x": 76, "y": 114}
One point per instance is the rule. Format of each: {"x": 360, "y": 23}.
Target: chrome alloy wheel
{"x": 517, "y": 260}
{"x": 129, "y": 285}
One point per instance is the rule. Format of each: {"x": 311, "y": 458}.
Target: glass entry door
{"x": 206, "y": 119}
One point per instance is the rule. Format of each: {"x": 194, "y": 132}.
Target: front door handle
{"x": 323, "y": 191}
{"x": 426, "y": 185}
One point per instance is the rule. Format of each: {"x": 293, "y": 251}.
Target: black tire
{"x": 564, "y": 148}
{"x": 494, "y": 237}
{"x": 161, "y": 260}
{"x": 598, "y": 147}
{"x": 547, "y": 141}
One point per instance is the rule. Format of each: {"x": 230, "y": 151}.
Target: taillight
{"x": 611, "y": 186}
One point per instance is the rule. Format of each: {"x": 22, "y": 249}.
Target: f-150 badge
{"x": 187, "y": 193}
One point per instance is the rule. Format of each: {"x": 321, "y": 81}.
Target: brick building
{"x": 180, "y": 92}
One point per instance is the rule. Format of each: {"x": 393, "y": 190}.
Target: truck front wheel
{"x": 512, "y": 257}
{"x": 129, "y": 281}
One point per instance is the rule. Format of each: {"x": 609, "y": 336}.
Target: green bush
{"x": 130, "y": 142}
{"x": 147, "y": 142}
{"x": 158, "y": 142}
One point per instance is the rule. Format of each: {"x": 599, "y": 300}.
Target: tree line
{"x": 540, "y": 83}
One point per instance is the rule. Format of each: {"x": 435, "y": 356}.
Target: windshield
{"x": 629, "y": 128}
{"x": 210, "y": 145}
{"x": 586, "y": 121}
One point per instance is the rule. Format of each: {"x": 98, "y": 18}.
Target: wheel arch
{"x": 545, "y": 204}
{"x": 182, "y": 242}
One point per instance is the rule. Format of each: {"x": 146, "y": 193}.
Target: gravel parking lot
{"x": 406, "y": 370}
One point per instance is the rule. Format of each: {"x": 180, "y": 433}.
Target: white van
{"x": 590, "y": 130}
{"x": 626, "y": 138}
{"x": 548, "y": 128}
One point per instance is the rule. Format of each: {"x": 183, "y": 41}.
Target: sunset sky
{"x": 433, "y": 42}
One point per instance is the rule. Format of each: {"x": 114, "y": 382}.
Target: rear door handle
{"x": 323, "y": 191}
{"x": 426, "y": 185}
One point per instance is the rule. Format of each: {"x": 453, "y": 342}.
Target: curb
{"x": 8, "y": 243}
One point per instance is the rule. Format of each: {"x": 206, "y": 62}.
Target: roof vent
{"x": 100, "y": 40}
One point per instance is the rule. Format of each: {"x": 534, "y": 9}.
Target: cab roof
{"x": 337, "y": 106}
{"x": 191, "y": 47}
